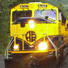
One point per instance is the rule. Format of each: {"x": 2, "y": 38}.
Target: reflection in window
{"x": 43, "y": 13}
{"x": 18, "y": 14}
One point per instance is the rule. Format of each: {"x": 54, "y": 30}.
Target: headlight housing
{"x": 42, "y": 46}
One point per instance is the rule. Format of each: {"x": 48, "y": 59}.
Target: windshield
{"x": 43, "y": 13}
{"x": 18, "y": 14}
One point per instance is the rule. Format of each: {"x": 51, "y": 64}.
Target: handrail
{"x": 53, "y": 46}
{"x": 6, "y": 50}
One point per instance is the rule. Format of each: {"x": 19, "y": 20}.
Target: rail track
{"x": 62, "y": 61}
{"x": 59, "y": 64}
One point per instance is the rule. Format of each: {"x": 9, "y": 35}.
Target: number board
{"x": 24, "y": 6}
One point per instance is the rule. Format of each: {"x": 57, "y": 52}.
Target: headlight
{"x": 42, "y": 46}
{"x": 31, "y": 23}
{"x": 16, "y": 47}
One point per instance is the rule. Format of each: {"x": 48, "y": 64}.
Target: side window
{"x": 59, "y": 16}
{"x": 63, "y": 19}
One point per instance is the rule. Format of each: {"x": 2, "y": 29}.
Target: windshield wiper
{"x": 52, "y": 21}
{"x": 53, "y": 11}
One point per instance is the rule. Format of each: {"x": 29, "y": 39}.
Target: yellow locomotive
{"x": 38, "y": 30}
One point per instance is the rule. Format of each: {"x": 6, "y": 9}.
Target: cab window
{"x": 18, "y": 14}
{"x": 46, "y": 13}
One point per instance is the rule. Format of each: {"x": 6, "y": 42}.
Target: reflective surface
{"x": 43, "y": 13}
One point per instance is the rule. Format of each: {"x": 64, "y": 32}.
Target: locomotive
{"x": 38, "y": 31}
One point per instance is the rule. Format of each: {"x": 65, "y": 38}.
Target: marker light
{"x": 31, "y": 24}
{"x": 42, "y": 46}
{"x": 16, "y": 47}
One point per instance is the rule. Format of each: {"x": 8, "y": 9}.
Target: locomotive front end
{"x": 34, "y": 32}
{"x": 30, "y": 27}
